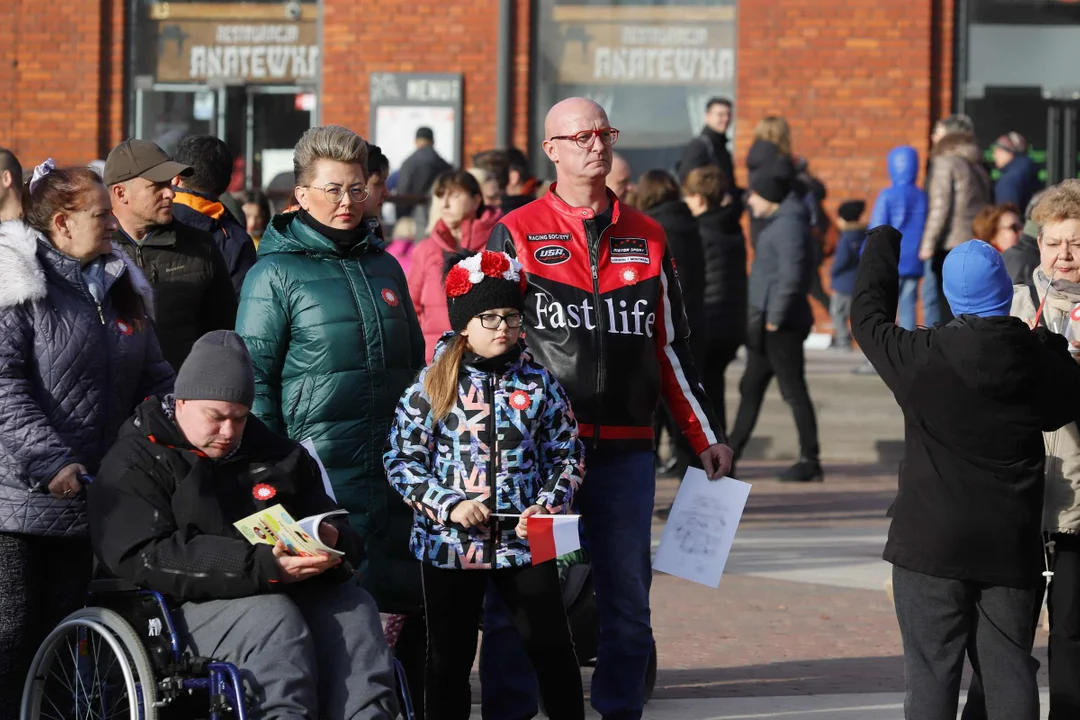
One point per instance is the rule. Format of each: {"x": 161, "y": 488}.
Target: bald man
{"x": 604, "y": 314}
{"x": 619, "y": 179}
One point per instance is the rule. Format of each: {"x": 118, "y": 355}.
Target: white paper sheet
{"x": 700, "y": 529}
{"x": 308, "y": 445}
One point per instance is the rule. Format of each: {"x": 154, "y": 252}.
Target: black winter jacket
{"x": 193, "y": 293}
{"x": 976, "y": 394}
{"x": 162, "y": 513}
{"x": 71, "y": 373}
{"x": 1022, "y": 259}
{"x": 781, "y": 274}
{"x": 213, "y": 218}
{"x": 724, "y": 248}
{"x": 684, "y": 239}
{"x": 708, "y": 148}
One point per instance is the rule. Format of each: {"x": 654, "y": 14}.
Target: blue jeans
{"x": 616, "y": 504}
{"x": 931, "y": 293}
{"x": 909, "y": 291}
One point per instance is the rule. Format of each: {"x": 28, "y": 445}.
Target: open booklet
{"x": 301, "y": 537}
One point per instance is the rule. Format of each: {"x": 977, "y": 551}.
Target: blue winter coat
{"x": 525, "y": 415}
{"x": 845, "y": 265}
{"x": 904, "y": 206}
{"x": 1019, "y": 181}
{"x": 71, "y": 373}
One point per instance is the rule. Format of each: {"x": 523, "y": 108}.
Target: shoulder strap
{"x": 1036, "y": 302}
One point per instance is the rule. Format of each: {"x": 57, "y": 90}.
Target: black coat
{"x": 193, "y": 293}
{"x": 231, "y": 236}
{"x": 162, "y": 514}
{"x": 708, "y": 148}
{"x": 418, "y": 174}
{"x": 782, "y": 272}
{"x": 725, "y": 275}
{"x": 1022, "y": 259}
{"x": 976, "y": 394}
{"x": 684, "y": 239}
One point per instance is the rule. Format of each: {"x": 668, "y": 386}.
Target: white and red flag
{"x": 552, "y": 535}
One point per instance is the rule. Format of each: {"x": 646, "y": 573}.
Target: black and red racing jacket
{"x": 603, "y": 312}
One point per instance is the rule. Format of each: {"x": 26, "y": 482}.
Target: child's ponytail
{"x": 441, "y": 381}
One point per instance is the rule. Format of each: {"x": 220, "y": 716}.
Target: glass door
{"x": 276, "y": 117}
{"x": 166, "y": 114}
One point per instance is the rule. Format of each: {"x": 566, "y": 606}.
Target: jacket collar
{"x": 259, "y": 444}
{"x": 200, "y": 203}
{"x": 163, "y": 236}
{"x": 580, "y": 213}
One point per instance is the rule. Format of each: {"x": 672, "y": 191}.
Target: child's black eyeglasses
{"x": 492, "y": 321}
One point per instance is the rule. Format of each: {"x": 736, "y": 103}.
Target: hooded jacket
{"x": 688, "y": 255}
{"x": 334, "y": 341}
{"x": 513, "y": 406}
{"x": 1018, "y": 182}
{"x": 976, "y": 395}
{"x": 782, "y": 271}
{"x": 193, "y": 293}
{"x": 958, "y": 188}
{"x": 1061, "y": 500}
{"x": 212, "y": 217}
{"x": 71, "y": 372}
{"x": 426, "y": 271}
{"x": 162, "y": 513}
{"x": 724, "y": 248}
{"x": 904, "y": 206}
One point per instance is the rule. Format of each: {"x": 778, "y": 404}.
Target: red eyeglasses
{"x": 608, "y": 136}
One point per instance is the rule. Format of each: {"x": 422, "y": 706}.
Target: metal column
{"x": 504, "y": 76}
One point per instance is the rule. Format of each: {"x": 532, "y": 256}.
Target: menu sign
{"x": 197, "y": 51}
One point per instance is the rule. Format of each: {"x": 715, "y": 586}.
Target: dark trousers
{"x": 411, "y": 651}
{"x": 1063, "y": 602}
{"x": 454, "y": 602}
{"x": 942, "y": 620}
{"x": 781, "y": 355}
{"x": 42, "y": 580}
{"x": 712, "y": 373}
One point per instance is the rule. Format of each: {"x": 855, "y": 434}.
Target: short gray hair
{"x": 327, "y": 142}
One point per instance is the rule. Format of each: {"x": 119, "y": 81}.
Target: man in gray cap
{"x": 193, "y": 292}
{"x": 189, "y": 465}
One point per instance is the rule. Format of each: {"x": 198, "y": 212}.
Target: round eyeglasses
{"x": 492, "y": 321}
{"x": 334, "y": 193}
{"x": 608, "y": 136}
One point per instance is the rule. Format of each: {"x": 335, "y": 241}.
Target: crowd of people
{"x": 174, "y": 358}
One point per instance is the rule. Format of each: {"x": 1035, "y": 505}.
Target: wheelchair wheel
{"x": 92, "y": 666}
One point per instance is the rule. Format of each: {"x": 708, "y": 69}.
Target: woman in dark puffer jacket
{"x": 657, "y": 195}
{"x": 77, "y": 354}
{"x": 724, "y": 246}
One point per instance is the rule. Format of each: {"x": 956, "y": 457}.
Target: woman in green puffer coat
{"x": 334, "y": 339}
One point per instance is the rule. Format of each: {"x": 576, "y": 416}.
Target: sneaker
{"x": 803, "y": 471}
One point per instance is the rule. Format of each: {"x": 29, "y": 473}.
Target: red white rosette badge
{"x": 263, "y": 492}
{"x": 390, "y": 297}
{"x": 629, "y": 276}
{"x": 124, "y": 328}
{"x": 520, "y": 400}
{"x": 1075, "y": 314}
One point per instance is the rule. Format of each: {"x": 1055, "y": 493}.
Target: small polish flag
{"x": 552, "y": 535}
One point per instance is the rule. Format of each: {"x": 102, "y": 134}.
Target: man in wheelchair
{"x": 305, "y": 635}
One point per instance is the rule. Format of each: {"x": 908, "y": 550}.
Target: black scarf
{"x": 344, "y": 239}
{"x": 498, "y": 364}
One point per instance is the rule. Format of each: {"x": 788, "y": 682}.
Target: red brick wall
{"x": 410, "y": 36}
{"x": 852, "y": 78}
{"x": 61, "y": 72}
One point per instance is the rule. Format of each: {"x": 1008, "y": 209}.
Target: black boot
{"x": 803, "y": 471}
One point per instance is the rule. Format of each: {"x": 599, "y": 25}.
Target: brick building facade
{"x": 853, "y": 78}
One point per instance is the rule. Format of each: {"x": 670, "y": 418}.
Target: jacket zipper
{"x": 489, "y": 391}
{"x": 594, "y": 263}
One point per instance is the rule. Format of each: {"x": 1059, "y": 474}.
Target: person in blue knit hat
{"x": 965, "y": 539}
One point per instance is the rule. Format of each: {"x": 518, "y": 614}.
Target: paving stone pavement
{"x": 801, "y": 627}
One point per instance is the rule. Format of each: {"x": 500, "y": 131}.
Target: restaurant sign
{"x": 199, "y": 51}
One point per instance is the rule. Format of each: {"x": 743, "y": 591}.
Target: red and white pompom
{"x": 390, "y": 297}
{"x": 520, "y": 400}
{"x": 264, "y": 492}
{"x": 473, "y": 269}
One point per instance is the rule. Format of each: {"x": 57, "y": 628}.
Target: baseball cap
{"x": 1012, "y": 142}
{"x": 141, "y": 158}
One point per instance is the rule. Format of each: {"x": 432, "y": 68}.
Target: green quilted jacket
{"x": 335, "y": 341}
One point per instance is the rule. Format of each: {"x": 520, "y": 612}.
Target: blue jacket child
{"x": 845, "y": 265}
{"x": 904, "y": 206}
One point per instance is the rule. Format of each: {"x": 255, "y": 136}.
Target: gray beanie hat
{"x": 218, "y": 368}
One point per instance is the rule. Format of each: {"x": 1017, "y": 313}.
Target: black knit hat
{"x": 774, "y": 180}
{"x": 851, "y": 210}
{"x": 478, "y": 282}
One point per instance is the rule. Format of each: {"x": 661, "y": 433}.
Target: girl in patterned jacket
{"x": 485, "y": 432}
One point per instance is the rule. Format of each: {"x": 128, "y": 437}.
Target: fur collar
{"x": 22, "y": 278}
{"x": 961, "y": 143}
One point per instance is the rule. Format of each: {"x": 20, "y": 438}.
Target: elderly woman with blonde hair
{"x": 334, "y": 341}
